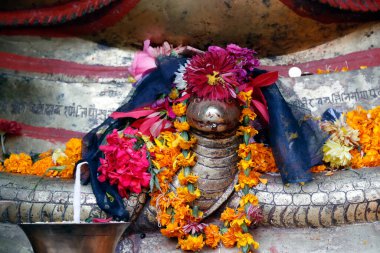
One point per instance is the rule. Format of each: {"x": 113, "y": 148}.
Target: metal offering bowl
{"x": 74, "y": 237}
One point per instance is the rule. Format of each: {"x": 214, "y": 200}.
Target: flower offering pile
{"x": 148, "y": 144}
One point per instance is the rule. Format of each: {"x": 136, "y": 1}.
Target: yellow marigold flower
{"x": 74, "y": 149}
{"x": 182, "y": 212}
{"x": 246, "y": 129}
{"x": 184, "y": 194}
{"x": 249, "y": 198}
{"x": 336, "y": 154}
{"x": 241, "y": 220}
{"x": 21, "y": 163}
{"x": 181, "y": 126}
{"x": 193, "y": 243}
{"x": 245, "y": 96}
{"x": 182, "y": 143}
{"x": 182, "y": 161}
{"x": 173, "y": 94}
{"x": 245, "y": 164}
{"x": 247, "y": 112}
{"x": 179, "y": 109}
{"x": 172, "y": 230}
{"x": 244, "y": 239}
{"x": 212, "y": 235}
{"x": 184, "y": 180}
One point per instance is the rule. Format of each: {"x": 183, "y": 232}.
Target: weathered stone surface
{"x": 313, "y": 216}
{"x": 310, "y": 187}
{"x": 361, "y": 212}
{"x": 60, "y": 197}
{"x": 372, "y": 194}
{"x": 265, "y": 197}
{"x": 42, "y": 196}
{"x": 337, "y": 197}
{"x": 356, "y": 196}
{"x": 301, "y": 199}
{"x": 371, "y": 212}
{"x": 319, "y": 198}
{"x": 327, "y": 187}
{"x": 350, "y": 213}
{"x": 338, "y": 215}
{"x": 282, "y": 199}
{"x": 326, "y": 215}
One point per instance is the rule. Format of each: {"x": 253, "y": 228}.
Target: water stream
{"x": 76, "y": 201}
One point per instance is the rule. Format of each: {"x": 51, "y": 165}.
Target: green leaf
{"x": 56, "y": 168}
{"x": 245, "y": 248}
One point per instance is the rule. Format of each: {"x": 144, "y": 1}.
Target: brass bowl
{"x": 74, "y": 237}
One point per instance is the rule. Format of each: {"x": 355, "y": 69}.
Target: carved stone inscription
{"x": 76, "y": 106}
{"x": 342, "y": 91}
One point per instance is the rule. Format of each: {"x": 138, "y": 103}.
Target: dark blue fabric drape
{"x": 147, "y": 91}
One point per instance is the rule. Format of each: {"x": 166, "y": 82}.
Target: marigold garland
{"x": 53, "y": 164}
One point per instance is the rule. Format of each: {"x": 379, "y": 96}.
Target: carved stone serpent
{"x": 344, "y": 198}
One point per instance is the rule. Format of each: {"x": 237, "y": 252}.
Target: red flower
{"x": 9, "y": 127}
{"x": 124, "y": 165}
{"x": 255, "y": 214}
{"x": 194, "y": 227}
{"x": 212, "y": 75}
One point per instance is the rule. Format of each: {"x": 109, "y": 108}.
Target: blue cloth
{"x": 148, "y": 89}
{"x": 296, "y": 140}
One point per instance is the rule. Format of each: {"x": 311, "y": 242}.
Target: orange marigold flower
{"x": 172, "y": 230}
{"x": 179, "y": 109}
{"x": 186, "y": 195}
{"x": 246, "y": 129}
{"x": 1, "y": 167}
{"x": 41, "y": 167}
{"x": 193, "y": 243}
{"x": 182, "y": 161}
{"x": 247, "y": 112}
{"x": 229, "y": 238}
{"x": 228, "y": 215}
{"x": 318, "y": 168}
{"x": 182, "y": 213}
{"x": 164, "y": 218}
{"x": 251, "y": 180}
{"x": 245, "y": 96}
{"x": 181, "y": 126}
{"x": 212, "y": 235}
{"x": 184, "y": 180}
{"x": 18, "y": 163}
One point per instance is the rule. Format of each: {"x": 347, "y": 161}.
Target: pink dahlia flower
{"x": 212, "y": 75}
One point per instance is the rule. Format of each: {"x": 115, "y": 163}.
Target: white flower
{"x": 58, "y": 155}
{"x": 178, "y": 81}
{"x": 336, "y": 154}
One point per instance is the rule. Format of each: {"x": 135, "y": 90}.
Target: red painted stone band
{"x": 369, "y": 58}
{"x": 49, "y": 133}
